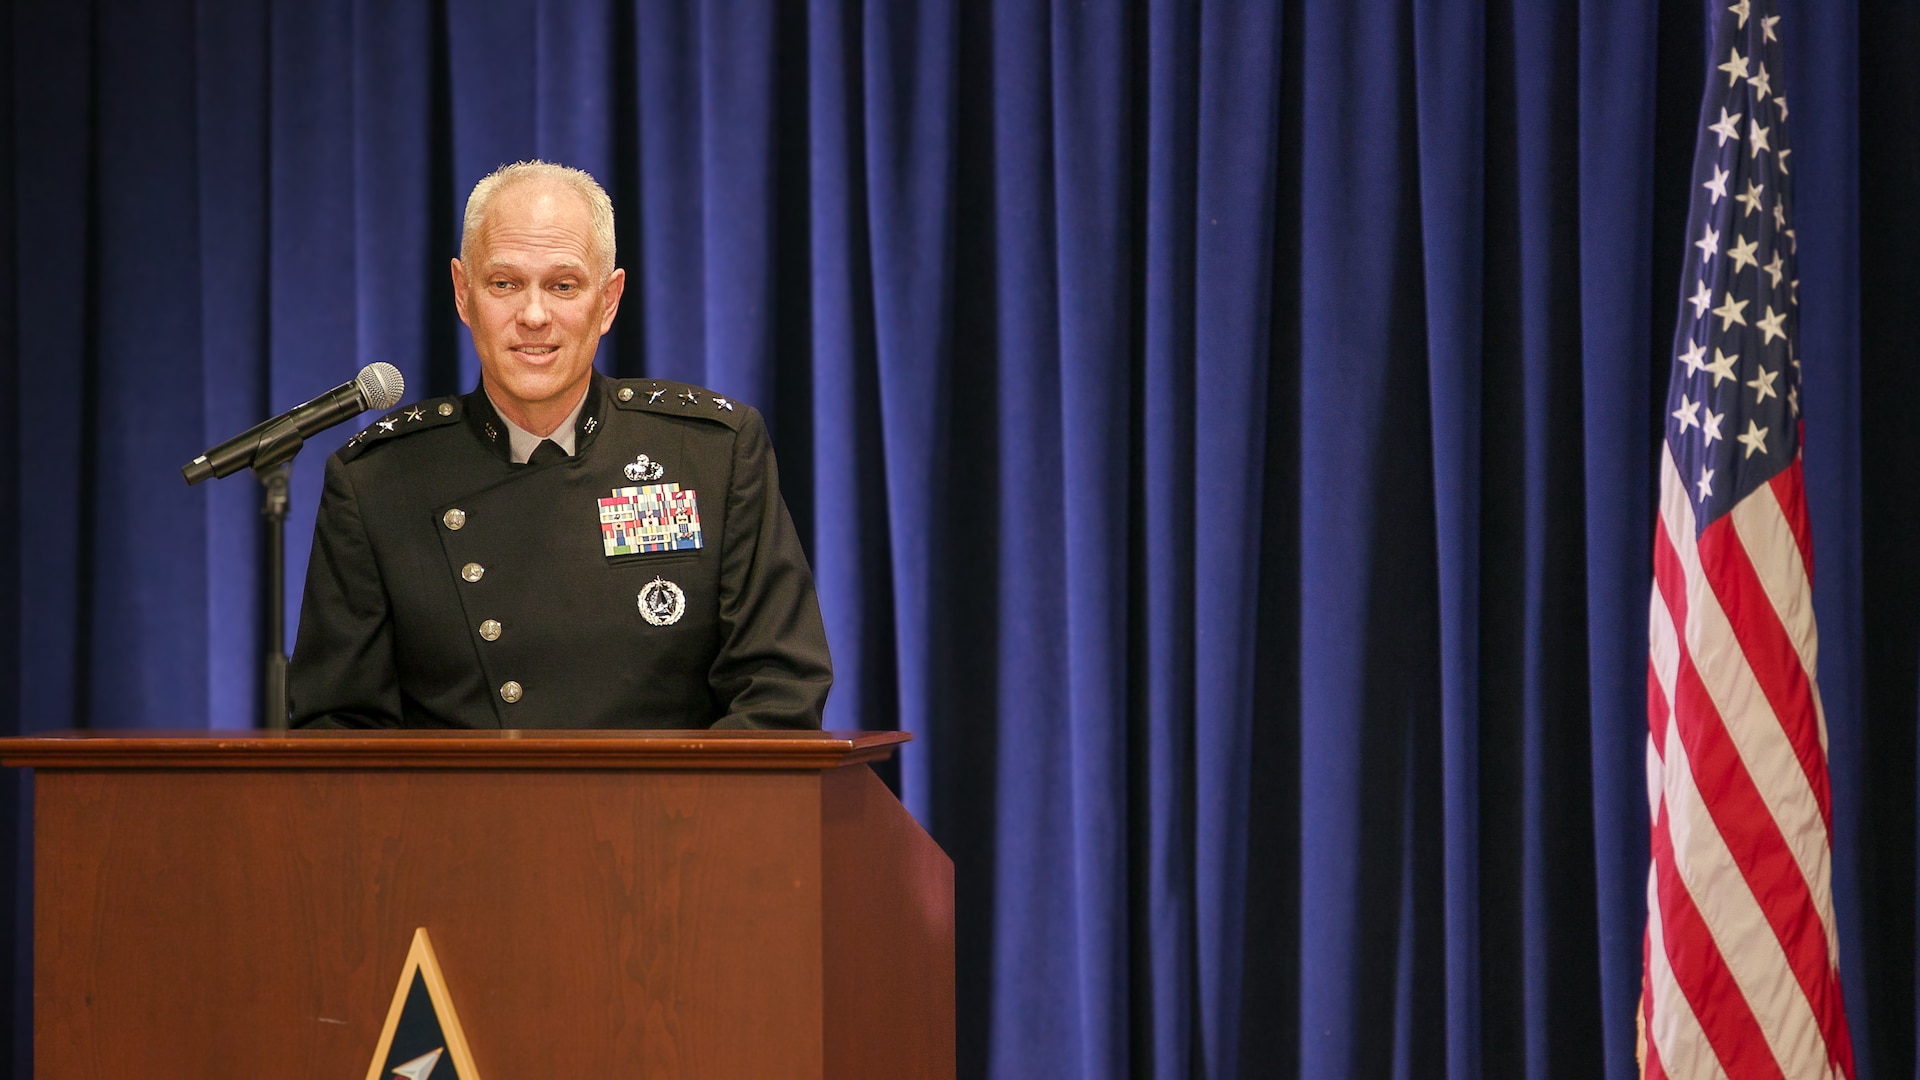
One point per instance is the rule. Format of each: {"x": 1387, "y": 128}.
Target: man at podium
{"x": 555, "y": 549}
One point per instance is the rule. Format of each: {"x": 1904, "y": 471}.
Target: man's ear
{"x": 610, "y": 292}
{"x": 460, "y": 292}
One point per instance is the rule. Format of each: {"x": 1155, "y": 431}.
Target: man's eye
{"x": 565, "y": 287}
{"x": 500, "y": 286}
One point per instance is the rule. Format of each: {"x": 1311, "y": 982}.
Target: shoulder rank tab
{"x": 419, "y": 416}
{"x": 677, "y": 399}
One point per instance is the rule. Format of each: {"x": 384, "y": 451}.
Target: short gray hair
{"x": 599, "y": 207}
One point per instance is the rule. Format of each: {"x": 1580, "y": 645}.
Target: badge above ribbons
{"x": 644, "y": 468}
{"x": 422, "y": 1039}
{"x": 657, "y": 517}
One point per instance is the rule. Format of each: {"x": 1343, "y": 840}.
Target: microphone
{"x": 271, "y": 442}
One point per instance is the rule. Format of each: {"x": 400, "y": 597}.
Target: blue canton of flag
{"x": 1734, "y": 399}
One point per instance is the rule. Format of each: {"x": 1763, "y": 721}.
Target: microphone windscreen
{"x": 381, "y": 384}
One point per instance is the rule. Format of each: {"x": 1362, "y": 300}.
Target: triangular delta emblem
{"x": 422, "y": 1039}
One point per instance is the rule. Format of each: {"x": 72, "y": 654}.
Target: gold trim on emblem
{"x": 420, "y": 960}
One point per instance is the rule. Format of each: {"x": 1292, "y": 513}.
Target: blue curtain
{"x": 1223, "y": 433}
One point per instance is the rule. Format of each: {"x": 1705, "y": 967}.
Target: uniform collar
{"x": 494, "y": 433}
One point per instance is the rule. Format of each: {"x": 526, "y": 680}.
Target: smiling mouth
{"x": 536, "y": 350}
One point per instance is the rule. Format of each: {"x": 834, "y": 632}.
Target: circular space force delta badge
{"x": 662, "y": 603}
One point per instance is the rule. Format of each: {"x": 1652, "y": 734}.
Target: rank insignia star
{"x": 389, "y": 424}
{"x": 415, "y": 413}
{"x": 655, "y": 394}
{"x": 723, "y": 403}
{"x": 689, "y": 397}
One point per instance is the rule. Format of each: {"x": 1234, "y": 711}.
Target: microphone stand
{"x": 273, "y": 675}
{"x": 272, "y": 465}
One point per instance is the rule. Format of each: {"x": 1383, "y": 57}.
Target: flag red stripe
{"x": 1740, "y": 813}
{"x": 1709, "y": 986}
{"x": 1833, "y": 1024}
{"x": 1770, "y": 653}
{"x": 1790, "y": 491}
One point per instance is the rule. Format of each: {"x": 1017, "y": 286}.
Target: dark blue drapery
{"x": 1223, "y": 433}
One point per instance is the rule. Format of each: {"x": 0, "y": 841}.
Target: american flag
{"x": 1742, "y": 962}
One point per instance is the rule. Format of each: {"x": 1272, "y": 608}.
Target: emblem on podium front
{"x": 422, "y": 1039}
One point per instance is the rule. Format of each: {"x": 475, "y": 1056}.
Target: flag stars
{"x": 1744, "y": 119}
{"x": 1727, "y": 128}
{"x": 1688, "y": 413}
{"x": 1742, "y": 253}
{"x": 1716, "y": 187}
{"x": 1771, "y": 325}
{"x": 1694, "y": 357}
{"x": 1722, "y": 367}
{"x": 1709, "y": 244}
{"x": 1731, "y": 311}
{"x": 1735, "y": 67}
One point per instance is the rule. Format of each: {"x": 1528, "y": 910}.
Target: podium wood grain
{"x": 236, "y": 919}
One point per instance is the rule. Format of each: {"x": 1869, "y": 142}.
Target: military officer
{"x": 556, "y": 549}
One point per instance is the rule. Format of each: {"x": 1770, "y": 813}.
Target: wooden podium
{"x": 602, "y": 904}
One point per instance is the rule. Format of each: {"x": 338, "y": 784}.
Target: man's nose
{"x": 534, "y": 311}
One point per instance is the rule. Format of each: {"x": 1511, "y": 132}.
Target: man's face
{"x": 534, "y": 301}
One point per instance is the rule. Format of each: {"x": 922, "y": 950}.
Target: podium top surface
{"x": 626, "y": 749}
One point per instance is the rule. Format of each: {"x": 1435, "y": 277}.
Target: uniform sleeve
{"x": 772, "y": 668}
{"x": 343, "y": 673}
